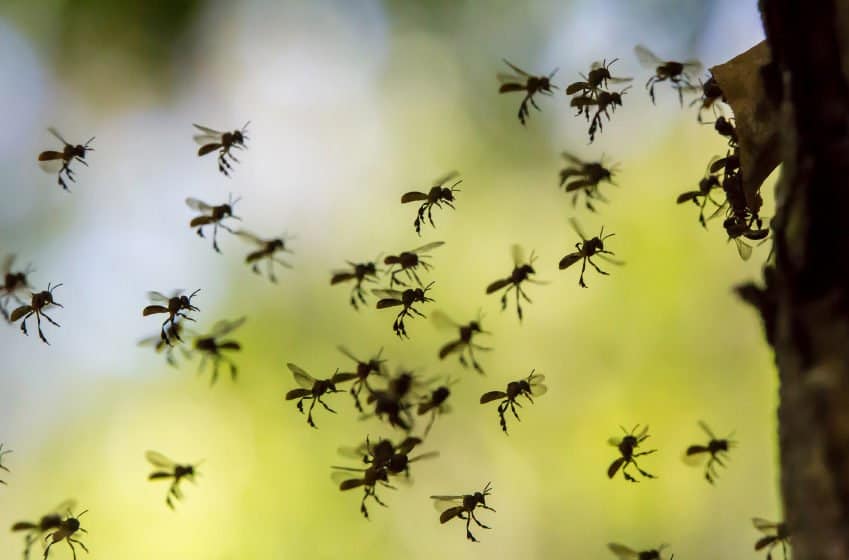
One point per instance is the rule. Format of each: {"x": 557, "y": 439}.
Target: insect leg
{"x": 532, "y": 102}
{"x": 581, "y": 282}
{"x": 502, "y": 421}
{"x": 430, "y": 215}
{"x": 309, "y": 414}
{"x": 79, "y": 543}
{"x": 324, "y": 404}
{"x": 595, "y": 266}
{"x": 216, "y": 360}
{"x": 215, "y": 237}
{"x": 47, "y": 549}
{"x": 38, "y": 324}
{"x": 513, "y": 405}
{"x": 641, "y": 471}
{"x": 24, "y": 322}
{"x": 475, "y": 519}
{"x": 468, "y": 519}
{"x": 43, "y": 314}
{"x": 430, "y": 424}
{"x": 412, "y": 271}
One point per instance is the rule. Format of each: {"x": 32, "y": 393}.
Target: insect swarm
{"x": 172, "y": 470}
{"x": 267, "y": 251}
{"x": 463, "y": 345}
{"x": 65, "y": 532}
{"x": 463, "y": 507}
{"x": 408, "y": 261}
{"x": 174, "y": 307}
{"x": 13, "y": 282}
{"x": 531, "y": 85}
{"x": 371, "y": 368}
{"x": 2, "y": 466}
{"x": 359, "y": 272}
{"x": 585, "y": 250}
{"x": 626, "y": 553}
{"x": 528, "y": 387}
{"x": 407, "y": 298}
{"x": 211, "y": 140}
{"x": 214, "y": 215}
{"x": 679, "y": 74}
{"x": 585, "y": 177}
{"x": 52, "y": 161}
{"x": 522, "y": 271}
{"x": 47, "y": 522}
{"x": 210, "y": 347}
{"x": 774, "y": 534}
{"x": 313, "y": 389}
{"x": 715, "y": 452}
{"x": 39, "y": 301}
{"x": 627, "y": 446}
{"x": 438, "y": 195}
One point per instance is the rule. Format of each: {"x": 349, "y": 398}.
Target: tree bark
{"x": 805, "y": 304}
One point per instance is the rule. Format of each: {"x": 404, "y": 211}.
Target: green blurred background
{"x": 351, "y": 104}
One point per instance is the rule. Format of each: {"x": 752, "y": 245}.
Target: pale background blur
{"x": 351, "y": 104}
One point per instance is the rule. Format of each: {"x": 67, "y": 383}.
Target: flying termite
{"x": 169, "y": 469}
{"x": 463, "y": 507}
{"x": 438, "y": 195}
{"x": 531, "y": 85}
{"x": 522, "y": 272}
{"x": 463, "y": 344}
{"x": 528, "y": 387}
{"x": 214, "y": 215}
{"x": 175, "y": 306}
{"x": 585, "y": 250}
{"x": 313, "y": 389}
{"x": 211, "y": 140}
{"x": 39, "y": 301}
{"x": 211, "y": 347}
{"x": 53, "y": 161}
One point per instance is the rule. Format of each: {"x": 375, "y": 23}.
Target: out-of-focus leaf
{"x": 756, "y": 117}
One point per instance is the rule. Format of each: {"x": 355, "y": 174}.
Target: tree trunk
{"x": 805, "y": 304}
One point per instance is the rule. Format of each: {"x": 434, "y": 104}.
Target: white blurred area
{"x": 349, "y": 108}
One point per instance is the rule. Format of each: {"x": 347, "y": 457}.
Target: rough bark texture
{"x": 806, "y": 302}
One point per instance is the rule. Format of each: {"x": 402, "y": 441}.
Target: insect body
{"x": 602, "y": 101}
{"x": 66, "y": 530}
{"x": 368, "y": 480}
{"x": 373, "y": 367}
{"x": 463, "y": 345}
{"x": 211, "y": 140}
{"x": 716, "y": 451}
{"x": 438, "y": 195}
{"x": 407, "y": 298}
{"x": 707, "y": 184}
{"x": 211, "y": 346}
{"x": 627, "y": 449}
{"x": 531, "y": 85}
{"x": 53, "y": 161}
{"x": 48, "y": 522}
{"x": 267, "y": 251}
{"x": 359, "y": 272}
{"x": 2, "y": 466}
{"x": 434, "y": 403}
{"x": 214, "y": 215}
{"x": 679, "y": 74}
{"x": 528, "y": 387}
{"x": 175, "y": 306}
{"x": 774, "y": 534}
{"x": 12, "y": 284}
{"x": 39, "y": 301}
{"x": 408, "y": 262}
{"x": 463, "y": 507}
{"x": 711, "y": 95}
{"x": 598, "y": 78}
{"x": 393, "y": 402}
{"x": 585, "y": 177}
{"x": 521, "y": 273}
{"x": 313, "y": 389}
{"x": 587, "y": 249}
{"x": 170, "y": 469}
{"x": 160, "y": 345}
{"x": 625, "y": 553}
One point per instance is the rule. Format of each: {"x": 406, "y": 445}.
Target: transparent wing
{"x": 198, "y": 205}
{"x": 208, "y": 131}
{"x": 224, "y": 326}
{"x": 55, "y": 133}
{"x": 159, "y": 460}
{"x": 8, "y": 262}
{"x": 303, "y": 379}
{"x": 518, "y": 255}
{"x": 572, "y": 158}
{"x": 647, "y": 58}
{"x": 348, "y": 353}
{"x": 64, "y": 507}
{"x": 577, "y": 227}
{"x": 445, "y": 178}
{"x": 764, "y": 526}
{"x": 692, "y": 67}
{"x": 341, "y": 474}
{"x": 623, "y": 552}
{"x": 703, "y": 425}
{"x": 642, "y": 433}
{"x": 443, "y": 321}
{"x": 51, "y": 165}
{"x": 391, "y": 294}
{"x": 428, "y": 247}
{"x": 515, "y": 68}
{"x": 157, "y": 297}
{"x": 505, "y": 78}
{"x": 441, "y": 503}
{"x": 250, "y": 237}
{"x": 539, "y": 389}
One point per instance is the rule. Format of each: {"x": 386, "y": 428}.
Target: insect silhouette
{"x": 210, "y": 347}
{"x": 679, "y": 74}
{"x": 597, "y": 78}
{"x": 66, "y": 530}
{"x": 462, "y": 345}
{"x": 627, "y": 446}
{"x": 53, "y": 161}
{"x": 160, "y": 345}
{"x": 407, "y": 298}
{"x": 175, "y": 306}
{"x": 368, "y": 479}
{"x": 313, "y": 389}
{"x": 725, "y": 128}
{"x": 531, "y": 85}
{"x": 380, "y": 454}
{"x": 267, "y": 251}
{"x": 463, "y": 507}
{"x": 741, "y": 211}
{"x": 359, "y": 272}
{"x": 438, "y": 195}
{"x": 434, "y": 403}
{"x": 2, "y": 466}
{"x": 48, "y": 522}
{"x": 602, "y": 101}
{"x": 214, "y": 215}
{"x": 625, "y": 553}
{"x": 371, "y": 368}
{"x": 39, "y": 301}
{"x": 522, "y": 272}
{"x": 13, "y": 283}
{"x": 702, "y": 195}
{"x": 711, "y": 95}
{"x": 211, "y": 140}
{"x": 715, "y": 451}
{"x": 774, "y": 534}
{"x": 393, "y": 402}
{"x": 585, "y": 177}
{"x": 170, "y": 469}
{"x": 408, "y": 261}
{"x": 528, "y": 387}
{"x": 585, "y": 250}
